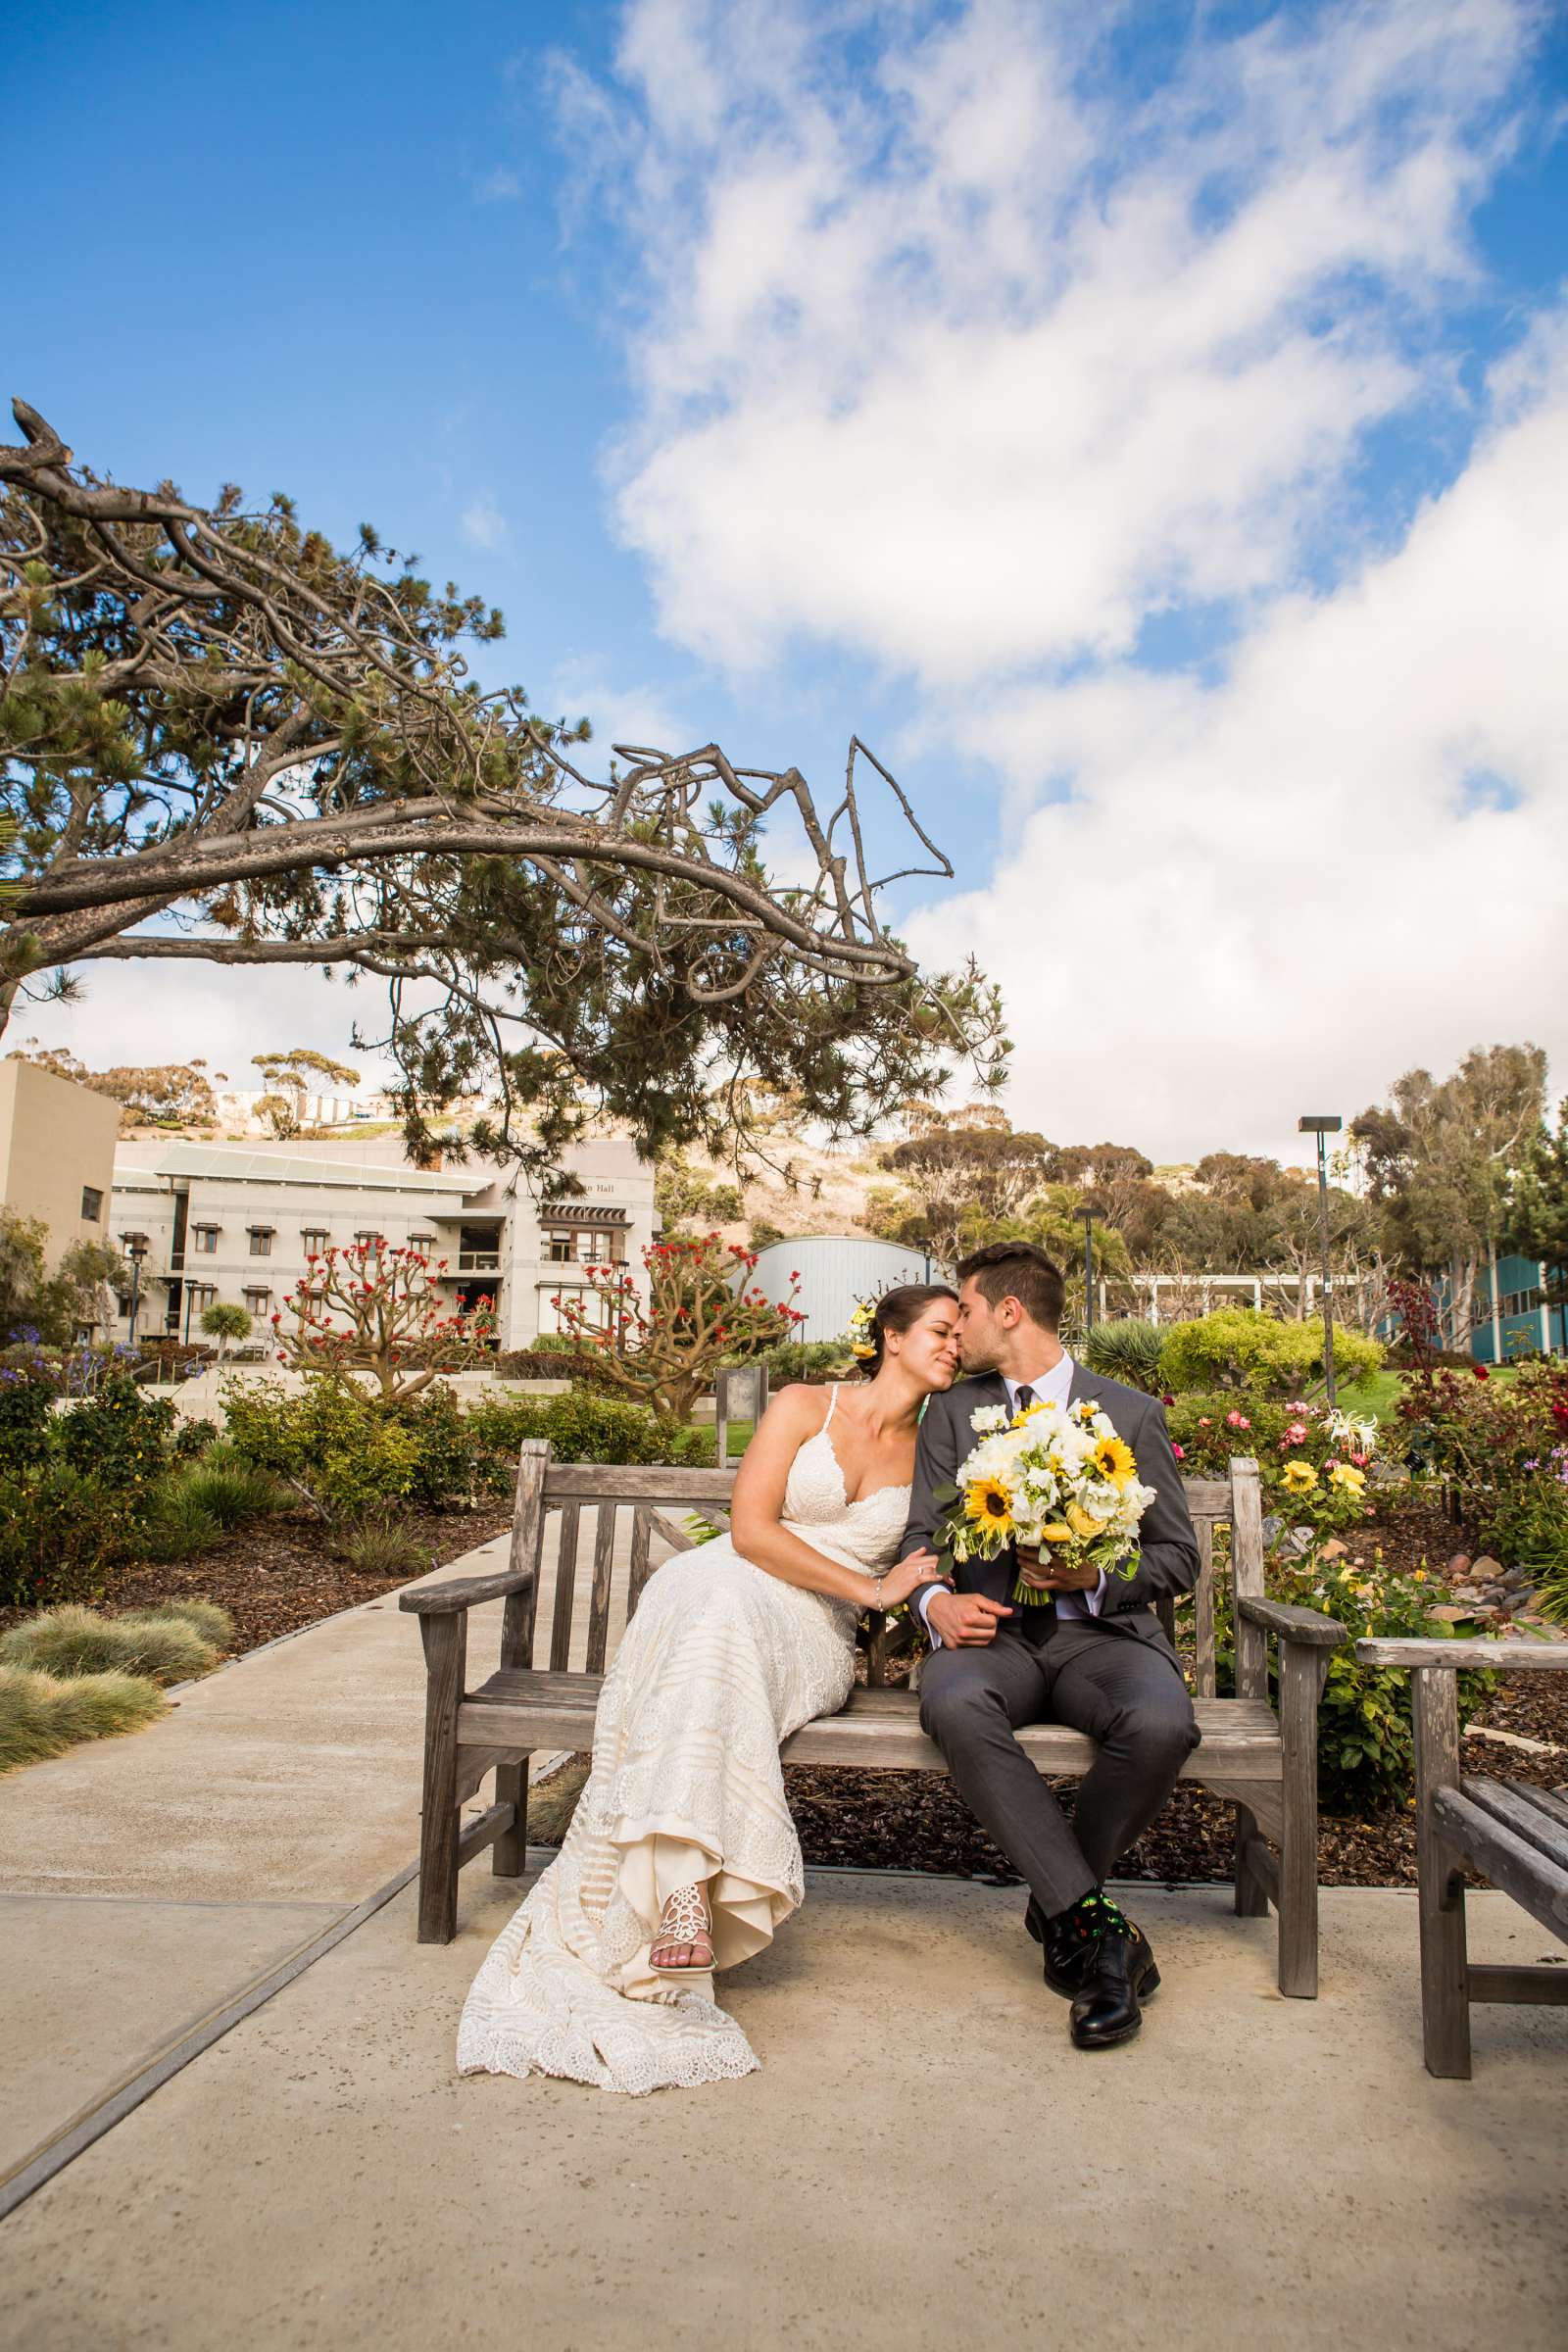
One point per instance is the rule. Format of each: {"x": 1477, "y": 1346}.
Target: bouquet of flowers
{"x": 1055, "y": 1477}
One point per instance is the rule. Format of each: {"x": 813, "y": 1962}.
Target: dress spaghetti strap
{"x": 832, "y": 1399}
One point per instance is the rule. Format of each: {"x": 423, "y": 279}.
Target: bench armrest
{"x": 1310, "y": 1626}
{"x": 465, "y": 1593}
{"x": 1500, "y": 1657}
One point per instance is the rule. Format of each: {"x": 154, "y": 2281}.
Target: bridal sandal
{"x": 684, "y": 1923}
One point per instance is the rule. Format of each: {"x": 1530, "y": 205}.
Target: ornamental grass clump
{"x": 42, "y": 1715}
{"x": 70, "y": 1642}
{"x": 385, "y": 1548}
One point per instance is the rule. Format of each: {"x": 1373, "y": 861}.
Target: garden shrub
{"x": 60, "y": 1532}
{"x": 1500, "y": 1450}
{"x": 583, "y": 1426}
{"x": 1236, "y": 1348}
{"x": 447, "y": 1452}
{"x": 1365, "y": 1745}
{"x": 344, "y": 1452}
{"x": 357, "y": 1457}
{"x": 42, "y": 1716}
{"x": 1314, "y": 1463}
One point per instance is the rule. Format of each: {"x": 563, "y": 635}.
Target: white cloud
{"x": 141, "y": 1014}
{"x": 962, "y": 359}
{"x": 501, "y": 186}
{"x": 641, "y": 716}
{"x": 1272, "y": 894}
{"x": 483, "y": 522}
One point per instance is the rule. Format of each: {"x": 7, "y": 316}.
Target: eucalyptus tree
{"x": 223, "y": 740}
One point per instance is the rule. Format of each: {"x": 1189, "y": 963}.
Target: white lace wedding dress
{"x": 720, "y": 1663}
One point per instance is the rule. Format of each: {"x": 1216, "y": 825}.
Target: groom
{"x": 1093, "y": 1655}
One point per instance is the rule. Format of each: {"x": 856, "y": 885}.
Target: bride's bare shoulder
{"x": 797, "y": 1404}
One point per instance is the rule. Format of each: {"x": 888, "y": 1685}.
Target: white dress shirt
{"x": 1049, "y": 1388}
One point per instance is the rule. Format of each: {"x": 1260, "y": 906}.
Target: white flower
{"x": 990, "y": 1417}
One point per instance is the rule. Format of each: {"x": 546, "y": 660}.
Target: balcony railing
{"x": 478, "y": 1262}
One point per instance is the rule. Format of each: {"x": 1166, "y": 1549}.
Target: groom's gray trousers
{"x": 1126, "y": 1694}
{"x": 1115, "y": 1676}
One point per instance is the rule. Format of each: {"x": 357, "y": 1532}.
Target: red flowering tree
{"x": 375, "y": 1310}
{"x": 701, "y": 1311}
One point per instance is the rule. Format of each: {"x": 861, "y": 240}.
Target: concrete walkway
{"x": 147, "y": 1880}
{"x": 923, "y": 2162}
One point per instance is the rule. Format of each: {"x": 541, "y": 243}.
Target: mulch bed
{"x": 278, "y": 1574}
{"x": 917, "y": 1821}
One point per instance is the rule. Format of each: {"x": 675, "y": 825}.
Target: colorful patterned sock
{"x": 1093, "y": 1915}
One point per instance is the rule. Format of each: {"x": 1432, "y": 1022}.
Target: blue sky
{"x": 1148, "y": 427}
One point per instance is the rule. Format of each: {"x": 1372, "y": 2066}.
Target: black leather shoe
{"x": 1066, "y": 1953}
{"x": 1120, "y": 1974}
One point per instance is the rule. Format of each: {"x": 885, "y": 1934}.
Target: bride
{"x": 681, "y": 1856}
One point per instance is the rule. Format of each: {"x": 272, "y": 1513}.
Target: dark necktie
{"x": 1035, "y": 1620}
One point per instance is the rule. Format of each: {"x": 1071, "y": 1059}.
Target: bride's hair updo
{"x": 899, "y": 1310}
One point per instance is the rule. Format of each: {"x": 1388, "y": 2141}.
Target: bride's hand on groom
{"x": 906, "y": 1576}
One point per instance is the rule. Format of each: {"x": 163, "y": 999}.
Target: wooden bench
{"x": 1265, "y": 1763}
{"x": 1508, "y": 1831}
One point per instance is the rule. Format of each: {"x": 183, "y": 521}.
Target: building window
{"x": 261, "y": 1240}
{"x": 258, "y": 1303}
{"x": 424, "y": 1243}
{"x": 92, "y": 1203}
{"x": 598, "y": 1248}
{"x": 207, "y": 1239}
{"x": 560, "y": 1245}
{"x": 368, "y": 1235}
{"x": 317, "y": 1241}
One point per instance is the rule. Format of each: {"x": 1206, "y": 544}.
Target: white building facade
{"x": 214, "y": 1222}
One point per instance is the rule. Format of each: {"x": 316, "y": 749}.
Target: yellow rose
{"x": 1059, "y": 1531}
{"x": 1300, "y": 1477}
{"x": 1082, "y": 1522}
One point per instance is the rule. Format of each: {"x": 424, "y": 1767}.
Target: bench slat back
{"x": 640, "y": 1516}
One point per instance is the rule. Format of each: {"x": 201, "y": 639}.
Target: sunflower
{"x": 987, "y": 1502}
{"x": 1298, "y": 1478}
{"x": 1114, "y": 1459}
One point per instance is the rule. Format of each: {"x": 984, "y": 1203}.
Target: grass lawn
{"x": 1378, "y": 1395}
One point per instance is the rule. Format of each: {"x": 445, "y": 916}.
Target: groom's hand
{"x": 1043, "y": 1574}
{"x": 964, "y": 1620}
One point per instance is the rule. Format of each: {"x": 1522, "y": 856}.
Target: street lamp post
{"x": 1088, "y": 1216}
{"x": 1321, "y": 1128}
{"x": 135, "y": 1250}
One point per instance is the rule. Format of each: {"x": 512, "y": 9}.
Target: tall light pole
{"x": 1321, "y": 1128}
{"x": 1088, "y": 1216}
{"x": 135, "y": 1250}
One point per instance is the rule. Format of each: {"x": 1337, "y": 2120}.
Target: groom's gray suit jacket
{"x": 1167, "y": 1557}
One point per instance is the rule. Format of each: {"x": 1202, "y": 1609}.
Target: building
{"x": 837, "y": 1271}
{"x": 239, "y": 1223}
{"x": 1510, "y": 1317}
{"x": 56, "y": 1155}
